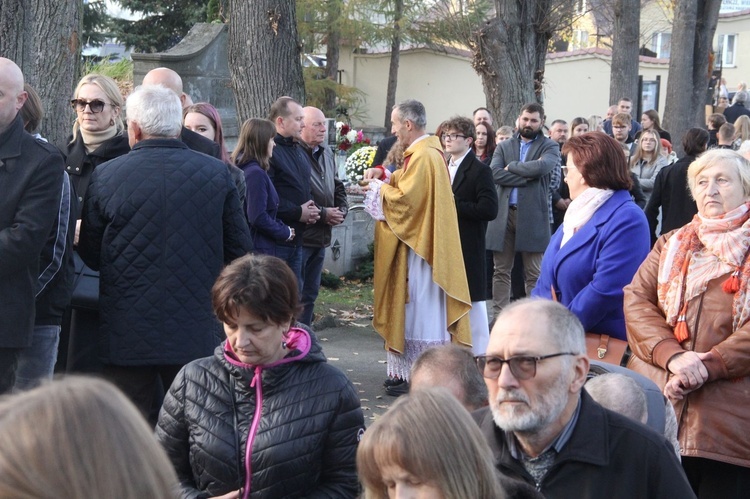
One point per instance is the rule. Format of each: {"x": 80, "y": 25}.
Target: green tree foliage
{"x": 164, "y": 23}
{"x": 97, "y": 24}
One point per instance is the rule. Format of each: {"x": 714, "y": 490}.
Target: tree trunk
{"x": 264, "y": 55}
{"x": 623, "y": 81}
{"x": 42, "y": 37}
{"x": 689, "y": 72}
{"x": 509, "y": 55}
{"x": 333, "y": 40}
{"x": 390, "y": 95}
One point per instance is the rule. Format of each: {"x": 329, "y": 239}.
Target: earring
{"x": 283, "y": 345}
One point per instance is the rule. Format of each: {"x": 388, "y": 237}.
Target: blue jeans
{"x": 37, "y": 362}
{"x": 292, "y": 255}
{"x": 312, "y": 266}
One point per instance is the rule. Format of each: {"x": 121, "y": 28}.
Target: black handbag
{"x": 85, "y": 286}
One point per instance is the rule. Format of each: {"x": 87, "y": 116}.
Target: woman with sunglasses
{"x": 98, "y": 131}
{"x": 98, "y": 136}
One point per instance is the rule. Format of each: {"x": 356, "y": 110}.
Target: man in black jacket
{"x": 544, "y": 430}
{"x": 738, "y": 108}
{"x": 670, "y": 193}
{"x": 159, "y": 223}
{"x": 476, "y": 204}
{"x": 31, "y": 174}
{"x": 290, "y": 172}
{"x": 329, "y": 194}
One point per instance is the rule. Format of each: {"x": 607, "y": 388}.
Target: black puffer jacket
{"x": 305, "y": 439}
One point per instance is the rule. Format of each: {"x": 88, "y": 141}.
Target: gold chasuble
{"x": 420, "y": 214}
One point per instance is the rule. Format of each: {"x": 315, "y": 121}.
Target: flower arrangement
{"x": 348, "y": 139}
{"x": 359, "y": 161}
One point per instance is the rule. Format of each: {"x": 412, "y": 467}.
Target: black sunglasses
{"x": 522, "y": 367}
{"x": 96, "y": 105}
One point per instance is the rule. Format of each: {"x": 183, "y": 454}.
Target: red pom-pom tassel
{"x": 732, "y": 285}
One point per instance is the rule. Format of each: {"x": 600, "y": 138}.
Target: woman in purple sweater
{"x": 254, "y": 149}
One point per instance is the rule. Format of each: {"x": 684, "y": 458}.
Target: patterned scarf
{"x": 703, "y": 250}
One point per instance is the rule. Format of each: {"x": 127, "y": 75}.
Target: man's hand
{"x": 372, "y": 173}
{"x": 334, "y": 216}
{"x": 310, "y": 212}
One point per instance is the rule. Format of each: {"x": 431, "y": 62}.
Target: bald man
{"x": 170, "y": 79}
{"x": 31, "y": 176}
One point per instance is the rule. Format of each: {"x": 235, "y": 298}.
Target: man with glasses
{"x": 476, "y": 204}
{"x": 624, "y": 106}
{"x": 545, "y": 430}
{"x": 621, "y": 128}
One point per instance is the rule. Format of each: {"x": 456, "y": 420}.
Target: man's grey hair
{"x": 414, "y": 111}
{"x": 563, "y": 327}
{"x": 740, "y": 96}
{"x": 156, "y": 109}
{"x": 620, "y": 394}
{"x": 460, "y": 364}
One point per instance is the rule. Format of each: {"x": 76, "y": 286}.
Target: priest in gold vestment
{"x": 421, "y": 293}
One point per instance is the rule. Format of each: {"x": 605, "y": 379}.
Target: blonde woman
{"x": 98, "y": 131}
{"x": 647, "y": 160}
{"x": 427, "y": 445}
{"x": 741, "y": 130}
{"x": 79, "y": 437}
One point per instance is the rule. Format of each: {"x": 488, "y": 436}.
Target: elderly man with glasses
{"x": 545, "y": 430}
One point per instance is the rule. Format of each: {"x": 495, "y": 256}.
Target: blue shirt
{"x": 525, "y": 146}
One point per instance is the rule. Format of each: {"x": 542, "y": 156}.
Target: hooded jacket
{"x": 288, "y": 429}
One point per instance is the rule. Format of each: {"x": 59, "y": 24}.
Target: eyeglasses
{"x": 96, "y": 105}
{"x": 568, "y": 167}
{"x": 452, "y": 136}
{"x": 522, "y": 367}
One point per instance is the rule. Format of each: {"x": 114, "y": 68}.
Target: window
{"x": 581, "y": 7}
{"x": 661, "y": 44}
{"x": 728, "y": 49}
{"x": 580, "y": 39}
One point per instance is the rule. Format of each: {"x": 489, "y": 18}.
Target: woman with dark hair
{"x": 670, "y": 192}
{"x": 204, "y": 119}
{"x": 650, "y": 121}
{"x": 254, "y": 149}
{"x": 266, "y": 415}
{"x": 578, "y": 126}
{"x": 603, "y": 238}
{"x": 484, "y": 145}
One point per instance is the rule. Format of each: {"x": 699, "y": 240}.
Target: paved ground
{"x": 358, "y": 351}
